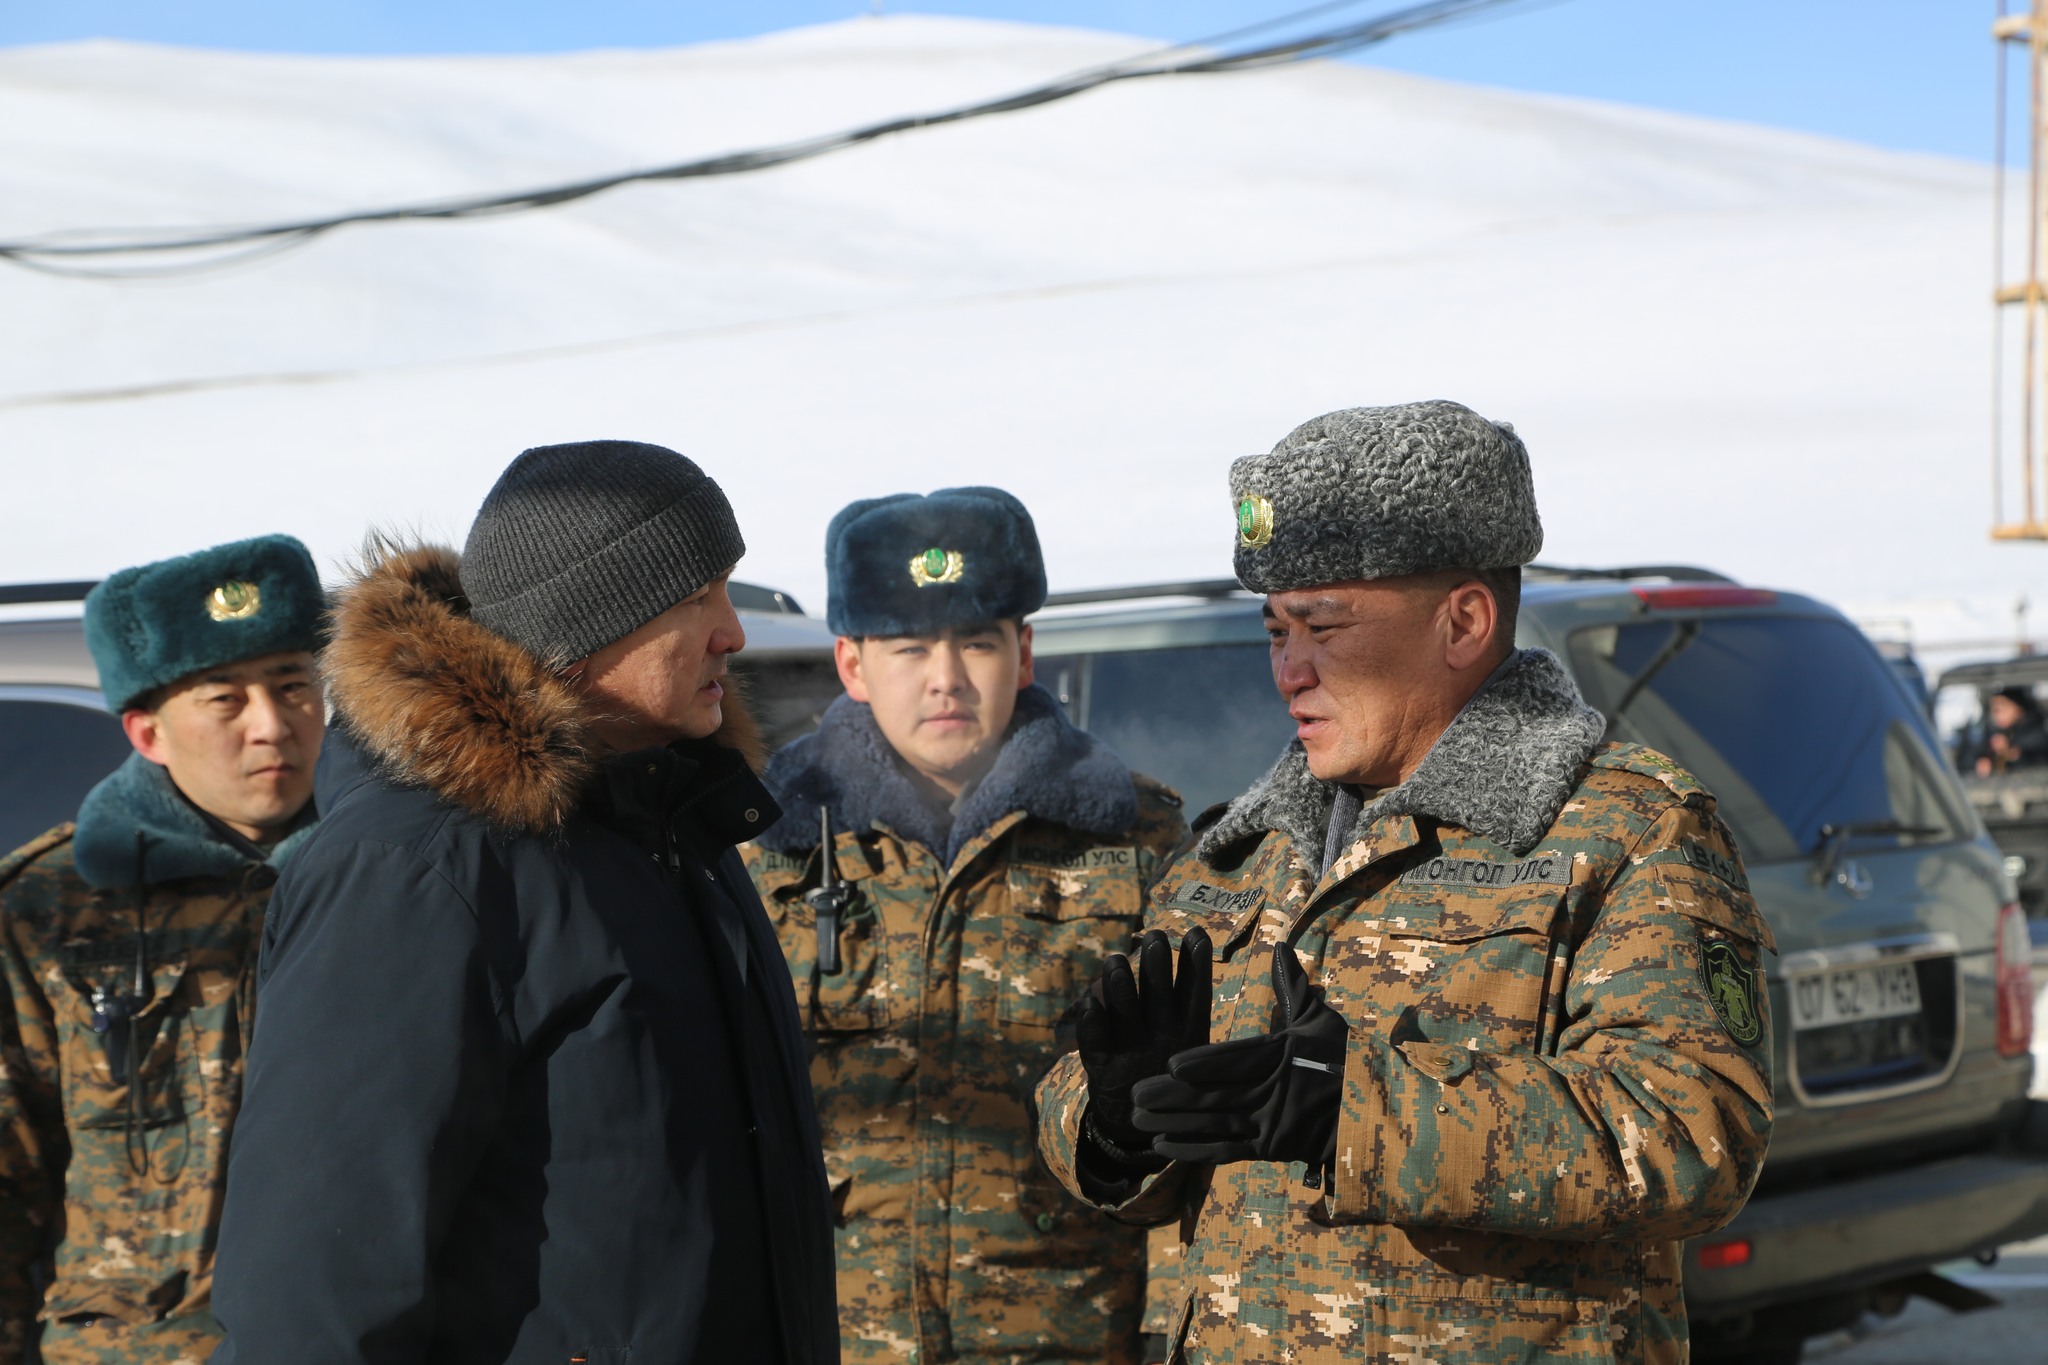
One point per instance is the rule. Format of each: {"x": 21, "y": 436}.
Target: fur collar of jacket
{"x": 1502, "y": 769}
{"x": 1047, "y": 768}
{"x": 138, "y": 803}
{"x": 439, "y": 702}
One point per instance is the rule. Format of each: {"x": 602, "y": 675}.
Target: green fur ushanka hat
{"x": 157, "y": 623}
{"x": 1382, "y": 492}
{"x": 915, "y": 565}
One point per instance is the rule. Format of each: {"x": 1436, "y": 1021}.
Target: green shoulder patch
{"x": 1731, "y": 987}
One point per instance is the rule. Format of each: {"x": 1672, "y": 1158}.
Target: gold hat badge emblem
{"x": 937, "y": 566}
{"x": 1254, "y": 522}
{"x": 236, "y": 601}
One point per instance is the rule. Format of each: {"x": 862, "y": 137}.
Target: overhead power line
{"x": 96, "y": 252}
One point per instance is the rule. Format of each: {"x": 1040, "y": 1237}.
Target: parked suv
{"x": 1901, "y": 993}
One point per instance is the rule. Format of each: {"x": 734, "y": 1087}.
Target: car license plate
{"x": 1851, "y": 995}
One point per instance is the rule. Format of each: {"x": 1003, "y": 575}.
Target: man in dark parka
{"x": 531, "y": 1084}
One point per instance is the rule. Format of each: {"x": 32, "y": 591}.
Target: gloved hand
{"x": 1270, "y": 1098}
{"x": 1127, "y": 1027}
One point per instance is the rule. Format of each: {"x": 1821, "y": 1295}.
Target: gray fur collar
{"x": 139, "y": 804}
{"x": 1502, "y": 769}
{"x": 1047, "y": 769}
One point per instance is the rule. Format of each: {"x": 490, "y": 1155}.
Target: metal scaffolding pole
{"x": 2030, "y": 32}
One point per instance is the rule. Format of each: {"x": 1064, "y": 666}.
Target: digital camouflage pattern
{"x": 1541, "y": 1098}
{"x": 133, "y": 1248}
{"x": 954, "y": 1243}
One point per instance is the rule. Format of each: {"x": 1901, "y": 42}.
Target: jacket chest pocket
{"x": 859, "y": 993}
{"x": 1061, "y": 923}
{"x": 121, "y": 1048}
{"x": 1479, "y": 966}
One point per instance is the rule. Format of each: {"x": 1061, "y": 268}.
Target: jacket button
{"x": 651, "y": 770}
{"x": 1443, "y": 1109}
{"x": 1045, "y": 1222}
{"x": 752, "y": 815}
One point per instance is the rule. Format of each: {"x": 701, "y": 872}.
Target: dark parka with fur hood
{"x": 531, "y": 1085}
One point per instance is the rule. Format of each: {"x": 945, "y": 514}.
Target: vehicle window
{"x": 1793, "y": 724}
{"x": 51, "y": 755}
{"x": 787, "y": 695}
{"x": 1204, "y": 720}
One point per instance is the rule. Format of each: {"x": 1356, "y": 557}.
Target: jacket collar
{"x": 434, "y": 700}
{"x": 1047, "y": 769}
{"x": 696, "y": 788}
{"x": 1502, "y": 769}
{"x": 137, "y": 825}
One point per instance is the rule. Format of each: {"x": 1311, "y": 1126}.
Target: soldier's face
{"x": 1373, "y": 672}
{"x": 666, "y": 681}
{"x": 942, "y": 701}
{"x": 240, "y": 741}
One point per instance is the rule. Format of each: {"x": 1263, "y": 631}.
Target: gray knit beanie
{"x": 579, "y": 545}
{"x": 1382, "y": 492}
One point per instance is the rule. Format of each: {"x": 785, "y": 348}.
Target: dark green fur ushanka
{"x": 914, "y": 565}
{"x": 157, "y": 623}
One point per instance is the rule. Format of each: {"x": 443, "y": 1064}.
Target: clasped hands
{"x": 1159, "y": 1090}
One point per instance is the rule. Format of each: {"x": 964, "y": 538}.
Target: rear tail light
{"x": 2015, "y": 975}
{"x": 1724, "y": 1255}
{"x": 1713, "y": 595}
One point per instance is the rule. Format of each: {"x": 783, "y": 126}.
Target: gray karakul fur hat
{"x": 913, "y": 565}
{"x": 1381, "y": 492}
{"x": 156, "y": 623}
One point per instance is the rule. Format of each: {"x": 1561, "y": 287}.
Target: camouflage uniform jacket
{"x": 957, "y": 965}
{"x": 121, "y": 1191}
{"x": 1558, "y": 1063}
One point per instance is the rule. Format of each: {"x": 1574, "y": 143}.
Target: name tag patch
{"x": 1214, "y": 900}
{"x": 1553, "y": 869}
{"x": 1714, "y": 863}
{"x": 771, "y": 861}
{"x": 1076, "y": 859}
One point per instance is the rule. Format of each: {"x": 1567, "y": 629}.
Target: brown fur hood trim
{"x": 444, "y": 704}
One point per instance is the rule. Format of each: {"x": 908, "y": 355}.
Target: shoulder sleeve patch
{"x": 1647, "y": 762}
{"x": 35, "y": 848}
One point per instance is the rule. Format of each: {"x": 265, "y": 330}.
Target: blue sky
{"x": 1909, "y": 74}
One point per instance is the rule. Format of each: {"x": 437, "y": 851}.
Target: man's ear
{"x": 145, "y": 730}
{"x": 1469, "y": 618}
{"x": 846, "y": 657}
{"x": 1025, "y": 672}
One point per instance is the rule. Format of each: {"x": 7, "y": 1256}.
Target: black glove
{"x": 1129, "y": 1025}
{"x": 1271, "y": 1098}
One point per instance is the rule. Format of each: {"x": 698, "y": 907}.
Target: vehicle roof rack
{"x": 1201, "y": 587}
{"x": 23, "y": 594}
{"x": 1677, "y": 573}
{"x": 1992, "y": 674}
{"x": 754, "y": 597}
